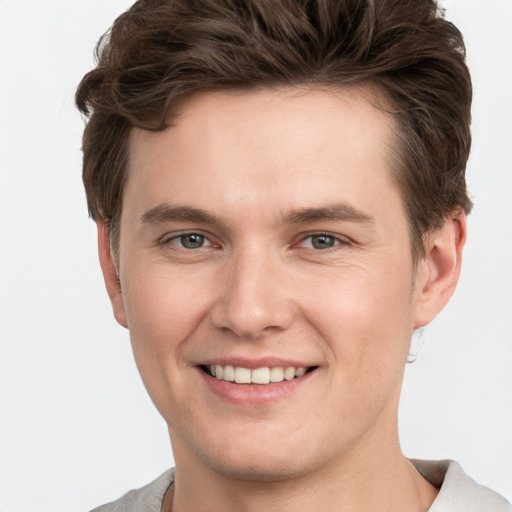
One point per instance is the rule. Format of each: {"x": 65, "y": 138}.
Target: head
{"x": 160, "y": 52}
{"x": 281, "y": 184}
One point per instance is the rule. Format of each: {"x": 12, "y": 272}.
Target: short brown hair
{"x": 161, "y": 50}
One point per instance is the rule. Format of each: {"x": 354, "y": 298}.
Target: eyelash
{"x": 168, "y": 240}
{"x": 205, "y": 239}
{"x": 337, "y": 240}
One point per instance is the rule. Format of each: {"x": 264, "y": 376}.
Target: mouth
{"x": 260, "y": 376}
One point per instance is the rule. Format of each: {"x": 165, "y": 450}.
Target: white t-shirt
{"x": 458, "y": 492}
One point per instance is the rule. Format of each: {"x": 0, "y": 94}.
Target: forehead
{"x": 290, "y": 146}
{"x": 266, "y": 111}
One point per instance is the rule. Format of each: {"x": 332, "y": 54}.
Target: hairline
{"x": 369, "y": 90}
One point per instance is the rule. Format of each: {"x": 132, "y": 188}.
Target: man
{"x": 280, "y": 199}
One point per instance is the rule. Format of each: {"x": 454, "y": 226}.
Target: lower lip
{"x": 254, "y": 394}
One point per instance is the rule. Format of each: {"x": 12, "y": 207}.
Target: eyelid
{"x": 169, "y": 237}
{"x": 340, "y": 240}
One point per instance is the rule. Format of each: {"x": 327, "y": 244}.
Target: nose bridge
{"x": 252, "y": 299}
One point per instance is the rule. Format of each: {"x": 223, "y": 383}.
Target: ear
{"x": 110, "y": 274}
{"x": 438, "y": 273}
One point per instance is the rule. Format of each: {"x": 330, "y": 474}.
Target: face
{"x": 264, "y": 240}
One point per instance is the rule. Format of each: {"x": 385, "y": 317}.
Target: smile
{"x": 261, "y": 376}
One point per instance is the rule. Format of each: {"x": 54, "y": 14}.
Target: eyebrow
{"x": 175, "y": 213}
{"x": 168, "y": 213}
{"x": 338, "y": 212}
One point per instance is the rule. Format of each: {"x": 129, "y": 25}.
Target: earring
{"x": 417, "y": 340}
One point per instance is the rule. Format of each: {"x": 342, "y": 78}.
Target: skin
{"x": 274, "y": 169}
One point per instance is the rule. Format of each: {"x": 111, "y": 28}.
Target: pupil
{"x": 322, "y": 241}
{"x": 192, "y": 241}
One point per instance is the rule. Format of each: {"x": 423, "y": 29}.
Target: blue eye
{"x": 190, "y": 241}
{"x": 320, "y": 241}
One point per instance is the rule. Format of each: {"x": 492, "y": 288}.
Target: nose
{"x": 253, "y": 299}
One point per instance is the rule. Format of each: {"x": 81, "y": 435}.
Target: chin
{"x": 254, "y": 457}
{"x": 257, "y": 471}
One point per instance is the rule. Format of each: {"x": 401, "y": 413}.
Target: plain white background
{"x": 76, "y": 426}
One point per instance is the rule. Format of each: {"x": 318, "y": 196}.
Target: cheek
{"x": 160, "y": 302}
{"x": 365, "y": 317}
{"x": 162, "y": 312}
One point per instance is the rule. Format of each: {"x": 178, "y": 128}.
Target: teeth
{"x": 242, "y": 375}
{"x": 276, "y": 374}
{"x": 260, "y": 376}
{"x": 264, "y": 375}
{"x": 299, "y": 372}
{"x": 229, "y": 373}
{"x": 289, "y": 373}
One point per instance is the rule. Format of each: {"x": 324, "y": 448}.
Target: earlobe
{"x": 110, "y": 274}
{"x": 439, "y": 271}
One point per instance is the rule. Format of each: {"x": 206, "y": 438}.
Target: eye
{"x": 190, "y": 241}
{"x": 320, "y": 241}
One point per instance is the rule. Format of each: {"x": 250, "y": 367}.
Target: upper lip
{"x": 260, "y": 362}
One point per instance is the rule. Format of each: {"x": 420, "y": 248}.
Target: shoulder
{"x": 458, "y": 491}
{"x": 146, "y": 499}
